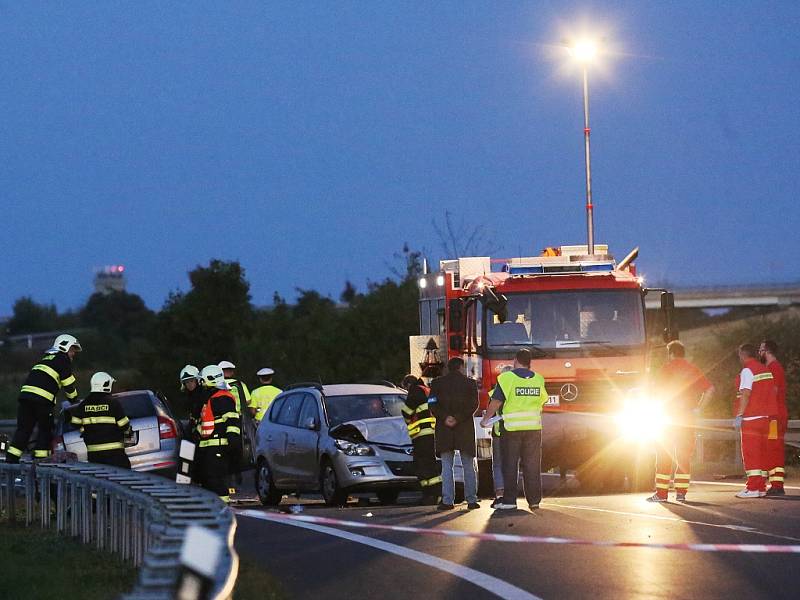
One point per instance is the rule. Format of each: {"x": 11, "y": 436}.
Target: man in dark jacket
{"x": 453, "y": 401}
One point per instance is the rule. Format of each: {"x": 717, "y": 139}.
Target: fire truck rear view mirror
{"x": 455, "y": 324}
{"x": 668, "y": 308}
{"x": 456, "y": 343}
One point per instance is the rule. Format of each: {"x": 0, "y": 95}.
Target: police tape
{"x": 520, "y": 539}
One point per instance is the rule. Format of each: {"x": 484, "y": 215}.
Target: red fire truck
{"x": 583, "y": 319}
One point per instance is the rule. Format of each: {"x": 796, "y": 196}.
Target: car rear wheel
{"x": 332, "y": 493}
{"x": 388, "y": 496}
{"x": 265, "y": 487}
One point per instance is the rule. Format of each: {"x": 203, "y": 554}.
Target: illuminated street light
{"x": 585, "y": 51}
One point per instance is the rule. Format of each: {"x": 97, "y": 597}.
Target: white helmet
{"x": 189, "y": 372}
{"x": 64, "y": 342}
{"x": 226, "y": 364}
{"x": 213, "y": 377}
{"x": 265, "y": 372}
{"x": 102, "y": 382}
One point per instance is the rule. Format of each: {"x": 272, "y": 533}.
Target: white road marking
{"x": 491, "y": 584}
{"x": 739, "y": 484}
{"x": 742, "y": 528}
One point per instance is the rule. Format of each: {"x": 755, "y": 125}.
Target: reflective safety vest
{"x": 239, "y": 389}
{"x": 219, "y": 421}
{"x": 419, "y": 419}
{"x": 524, "y": 398}
{"x": 261, "y": 398}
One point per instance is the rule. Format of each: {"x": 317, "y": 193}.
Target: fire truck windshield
{"x": 589, "y": 319}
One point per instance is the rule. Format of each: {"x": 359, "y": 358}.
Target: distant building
{"x": 109, "y": 279}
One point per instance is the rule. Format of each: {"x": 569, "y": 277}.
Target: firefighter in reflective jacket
{"x": 219, "y": 433}
{"x": 103, "y": 424}
{"x": 421, "y": 424}
{"x": 38, "y": 396}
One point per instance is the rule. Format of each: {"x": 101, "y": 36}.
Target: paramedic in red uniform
{"x": 757, "y": 407}
{"x": 686, "y": 391}
{"x": 775, "y": 448}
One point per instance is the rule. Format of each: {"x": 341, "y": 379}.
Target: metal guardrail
{"x": 722, "y": 430}
{"x": 140, "y": 517}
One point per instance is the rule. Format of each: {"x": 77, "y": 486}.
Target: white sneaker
{"x": 502, "y": 506}
{"x": 745, "y": 493}
{"x": 656, "y": 498}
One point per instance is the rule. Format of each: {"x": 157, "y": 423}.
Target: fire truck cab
{"x": 583, "y": 319}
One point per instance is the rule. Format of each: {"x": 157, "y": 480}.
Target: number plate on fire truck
{"x": 552, "y": 401}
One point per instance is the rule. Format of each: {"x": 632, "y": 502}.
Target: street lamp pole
{"x": 587, "y": 152}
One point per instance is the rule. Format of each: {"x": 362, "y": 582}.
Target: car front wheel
{"x": 332, "y": 493}
{"x": 265, "y": 487}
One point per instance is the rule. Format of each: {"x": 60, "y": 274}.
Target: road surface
{"x": 332, "y": 561}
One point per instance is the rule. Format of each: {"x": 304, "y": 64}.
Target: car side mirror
{"x": 311, "y": 424}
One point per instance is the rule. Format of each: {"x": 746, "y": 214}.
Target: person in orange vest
{"x": 421, "y": 424}
{"x": 219, "y": 432}
{"x": 775, "y": 447}
{"x": 686, "y": 391}
{"x": 757, "y": 406}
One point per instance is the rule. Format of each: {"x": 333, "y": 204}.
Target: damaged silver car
{"x": 334, "y": 440}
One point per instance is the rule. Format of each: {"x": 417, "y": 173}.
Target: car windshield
{"x": 575, "y": 319}
{"x": 362, "y": 406}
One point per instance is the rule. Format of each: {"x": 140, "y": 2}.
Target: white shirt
{"x": 746, "y": 379}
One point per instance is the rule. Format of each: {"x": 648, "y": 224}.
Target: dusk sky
{"x": 310, "y": 141}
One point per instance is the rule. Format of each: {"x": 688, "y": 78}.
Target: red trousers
{"x": 754, "y": 453}
{"x": 775, "y": 451}
{"x": 676, "y": 449}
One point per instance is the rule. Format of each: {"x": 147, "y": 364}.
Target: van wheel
{"x": 265, "y": 487}
{"x": 329, "y": 485}
{"x": 386, "y": 497}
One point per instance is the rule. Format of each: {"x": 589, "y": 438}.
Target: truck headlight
{"x": 353, "y": 449}
{"x": 641, "y": 419}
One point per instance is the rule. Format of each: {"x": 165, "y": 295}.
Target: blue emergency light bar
{"x": 554, "y": 269}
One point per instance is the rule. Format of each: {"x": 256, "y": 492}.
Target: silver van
{"x": 334, "y": 440}
{"x": 154, "y": 439}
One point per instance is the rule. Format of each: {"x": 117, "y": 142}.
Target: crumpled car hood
{"x": 385, "y": 430}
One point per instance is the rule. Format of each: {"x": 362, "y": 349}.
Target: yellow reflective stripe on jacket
{"x": 523, "y": 419}
{"x": 422, "y": 407}
{"x": 762, "y": 377}
{"x": 76, "y": 421}
{"x": 431, "y": 481}
{"x": 49, "y": 370}
{"x": 418, "y": 424}
{"x": 99, "y": 420}
{"x": 102, "y": 447}
{"x": 14, "y": 451}
{"x": 41, "y": 453}
{"x": 68, "y": 381}
{"x": 71, "y": 395}
{"x": 123, "y": 422}
{"x": 404, "y": 407}
{"x": 214, "y": 442}
{"x": 420, "y": 433}
{"x": 32, "y": 389}
{"x": 226, "y": 416}
{"x": 233, "y": 429}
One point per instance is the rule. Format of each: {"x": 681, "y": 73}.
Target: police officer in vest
{"x": 519, "y": 397}
{"x": 421, "y": 425}
{"x": 219, "y": 432}
{"x": 103, "y": 423}
{"x": 38, "y": 396}
{"x": 263, "y": 395}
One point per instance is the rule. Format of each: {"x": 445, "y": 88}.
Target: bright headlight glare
{"x": 641, "y": 420}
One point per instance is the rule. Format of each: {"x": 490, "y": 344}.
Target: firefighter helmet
{"x": 213, "y": 377}
{"x": 64, "y": 342}
{"x": 189, "y": 372}
{"x": 102, "y": 382}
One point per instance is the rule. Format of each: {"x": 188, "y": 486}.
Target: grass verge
{"x": 254, "y": 584}
{"x": 41, "y": 564}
